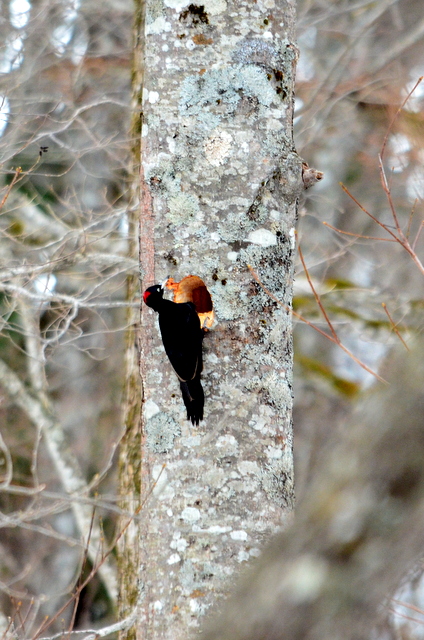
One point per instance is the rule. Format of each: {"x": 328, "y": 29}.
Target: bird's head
{"x": 153, "y": 296}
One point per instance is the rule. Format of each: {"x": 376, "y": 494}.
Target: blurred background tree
{"x": 65, "y": 95}
{"x": 66, "y": 254}
{"x": 357, "y": 64}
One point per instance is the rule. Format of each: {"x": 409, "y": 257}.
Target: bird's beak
{"x": 164, "y": 283}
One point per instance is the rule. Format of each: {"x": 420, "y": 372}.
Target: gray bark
{"x": 220, "y": 180}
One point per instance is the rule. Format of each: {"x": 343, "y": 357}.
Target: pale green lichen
{"x": 239, "y": 223}
{"x": 204, "y": 96}
{"x": 254, "y": 82}
{"x": 182, "y": 208}
{"x": 230, "y": 301}
{"x": 215, "y": 7}
{"x": 276, "y": 390}
{"x": 154, "y": 10}
{"x": 260, "y": 52}
{"x": 161, "y": 432}
{"x": 162, "y": 176}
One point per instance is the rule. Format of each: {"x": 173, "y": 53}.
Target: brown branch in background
{"x": 381, "y": 224}
{"x": 408, "y": 605}
{"x": 316, "y": 296}
{"x": 357, "y": 235}
{"x": 394, "y": 328}
{"x": 389, "y": 128}
{"x": 411, "y": 215}
{"x": 333, "y": 331}
{"x": 333, "y": 338}
{"x": 404, "y": 617}
{"x": 18, "y": 614}
{"x": 18, "y": 172}
{"x": 403, "y": 241}
{"x": 399, "y": 236}
{"x": 414, "y": 244}
{"x": 386, "y": 189}
{"x": 9, "y": 624}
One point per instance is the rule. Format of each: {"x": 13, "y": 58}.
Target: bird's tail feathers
{"x": 194, "y": 399}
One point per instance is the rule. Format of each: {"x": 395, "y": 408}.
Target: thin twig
{"x": 83, "y": 565}
{"x": 18, "y": 172}
{"x": 18, "y": 614}
{"x": 405, "y": 617}
{"x": 408, "y": 605}
{"x": 357, "y": 235}
{"x": 414, "y": 244}
{"x": 386, "y": 188}
{"x": 403, "y": 241}
{"x": 411, "y": 215}
{"x": 388, "y": 193}
{"x": 394, "y": 327}
{"x": 381, "y": 224}
{"x": 92, "y": 634}
{"x": 316, "y": 296}
{"x": 333, "y": 331}
{"x": 386, "y": 137}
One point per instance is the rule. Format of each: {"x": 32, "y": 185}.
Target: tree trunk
{"x": 220, "y": 180}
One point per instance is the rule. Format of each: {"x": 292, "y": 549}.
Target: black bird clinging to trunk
{"x": 182, "y": 338}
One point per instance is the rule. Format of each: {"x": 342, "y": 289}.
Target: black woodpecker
{"x": 182, "y": 338}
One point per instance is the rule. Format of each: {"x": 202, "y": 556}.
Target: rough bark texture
{"x": 221, "y": 179}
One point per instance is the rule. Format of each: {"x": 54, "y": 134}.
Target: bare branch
{"x": 41, "y": 414}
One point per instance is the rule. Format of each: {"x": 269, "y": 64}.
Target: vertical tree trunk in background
{"x": 130, "y": 450}
{"x": 220, "y": 178}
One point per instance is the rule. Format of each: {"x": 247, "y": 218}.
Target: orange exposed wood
{"x": 193, "y": 289}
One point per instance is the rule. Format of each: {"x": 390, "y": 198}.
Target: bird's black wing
{"x": 182, "y": 338}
